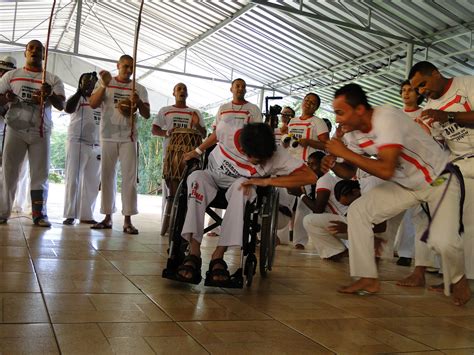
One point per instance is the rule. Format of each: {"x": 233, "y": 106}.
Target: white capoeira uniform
{"x": 22, "y": 200}
{"x": 309, "y": 128}
{"x": 417, "y": 178}
{"x": 333, "y": 207}
{"x": 317, "y": 224}
{"x": 227, "y": 169}
{"x": 27, "y": 134}
{"x": 298, "y": 128}
{"x": 82, "y": 162}
{"x": 459, "y": 97}
{"x": 173, "y": 117}
{"x": 119, "y": 143}
{"x": 405, "y": 235}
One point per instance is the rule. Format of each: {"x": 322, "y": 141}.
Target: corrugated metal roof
{"x": 294, "y": 49}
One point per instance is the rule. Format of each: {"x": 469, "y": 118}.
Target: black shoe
{"x": 404, "y": 261}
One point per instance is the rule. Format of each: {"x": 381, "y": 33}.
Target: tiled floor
{"x": 73, "y": 290}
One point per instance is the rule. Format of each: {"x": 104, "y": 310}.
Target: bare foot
{"x": 461, "y": 292}
{"x": 415, "y": 279}
{"x": 364, "y": 285}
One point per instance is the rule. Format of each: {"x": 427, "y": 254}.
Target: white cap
{"x": 7, "y": 62}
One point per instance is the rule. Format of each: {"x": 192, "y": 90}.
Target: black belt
{"x": 452, "y": 170}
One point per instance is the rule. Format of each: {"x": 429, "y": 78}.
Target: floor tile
{"x": 27, "y": 339}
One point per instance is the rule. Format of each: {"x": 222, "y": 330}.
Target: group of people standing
{"x": 413, "y": 167}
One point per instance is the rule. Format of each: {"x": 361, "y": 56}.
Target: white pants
{"x": 405, "y": 239}
{"x": 19, "y": 145}
{"x": 387, "y": 200}
{"x": 126, "y": 153}
{"x": 203, "y": 186}
{"x": 468, "y": 236}
{"x": 82, "y": 180}
{"x": 22, "y": 201}
{"x": 326, "y": 244}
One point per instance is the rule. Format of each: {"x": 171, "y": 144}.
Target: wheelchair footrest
{"x": 236, "y": 281}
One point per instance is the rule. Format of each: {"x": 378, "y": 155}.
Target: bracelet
{"x": 199, "y": 151}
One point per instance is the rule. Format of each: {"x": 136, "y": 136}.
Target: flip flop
{"x": 130, "y": 229}
{"x": 101, "y": 225}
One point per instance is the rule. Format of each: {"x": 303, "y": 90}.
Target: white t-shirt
{"x": 281, "y": 163}
{"x": 230, "y": 120}
{"x": 24, "y": 115}
{"x": 173, "y": 117}
{"x": 458, "y": 98}
{"x": 327, "y": 183}
{"x": 85, "y": 123}
{"x": 115, "y": 127}
{"x": 421, "y": 159}
{"x": 309, "y": 128}
{"x": 413, "y": 114}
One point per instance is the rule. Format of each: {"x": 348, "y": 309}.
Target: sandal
{"x": 213, "y": 272}
{"x": 101, "y": 225}
{"x": 130, "y": 229}
{"x": 191, "y": 264}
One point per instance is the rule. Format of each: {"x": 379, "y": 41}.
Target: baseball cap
{"x": 7, "y": 63}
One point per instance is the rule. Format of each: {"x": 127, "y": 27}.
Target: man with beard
{"x": 414, "y": 166}
{"x": 29, "y": 131}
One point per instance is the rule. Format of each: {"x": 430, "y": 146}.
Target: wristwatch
{"x": 451, "y": 117}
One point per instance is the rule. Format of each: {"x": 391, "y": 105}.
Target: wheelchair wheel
{"x": 178, "y": 245}
{"x": 249, "y": 269}
{"x": 269, "y": 221}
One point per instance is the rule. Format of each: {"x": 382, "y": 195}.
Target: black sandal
{"x": 194, "y": 268}
{"x": 231, "y": 281}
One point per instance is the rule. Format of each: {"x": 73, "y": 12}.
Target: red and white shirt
{"x": 115, "y": 127}
{"x": 230, "y": 120}
{"x": 24, "y": 115}
{"x": 459, "y": 97}
{"x": 173, "y": 117}
{"x": 308, "y": 128}
{"x": 327, "y": 183}
{"x": 413, "y": 114}
{"x": 421, "y": 159}
{"x": 85, "y": 123}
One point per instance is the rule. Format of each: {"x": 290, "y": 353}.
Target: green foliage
{"x": 55, "y": 178}
{"x": 150, "y": 153}
{"x": 58, "y": 150}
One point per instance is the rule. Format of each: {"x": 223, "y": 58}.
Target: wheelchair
{"x": 260, "y": 218}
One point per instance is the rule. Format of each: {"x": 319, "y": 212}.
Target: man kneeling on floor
{"x": 239, "y": 175}
{"x": 415, "y": 168}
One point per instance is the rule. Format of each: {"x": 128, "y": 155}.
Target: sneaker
{"x": 69, "y": 221}
{"x": 43, "y": 222}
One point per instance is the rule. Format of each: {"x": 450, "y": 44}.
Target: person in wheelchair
{"x": 260, "y": 163}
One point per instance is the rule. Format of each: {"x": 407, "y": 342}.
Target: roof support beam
{"x": 338, "y": 23}
{"x": 114, "y": 61}
{"x": 78, "y": 26}
{"x": 200, "y": 38}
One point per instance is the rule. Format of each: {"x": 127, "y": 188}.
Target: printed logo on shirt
{"x": 195, "y": 194}
{"x": 118, "y": 96}
{"x": 228, "y": 168}
{"x": 297, "y": 132}
{"x": 181, "y": 122}
{"x": 26, "y": 93}
{"x": 96, "y": 114}
{"x": 454, "y": 132}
